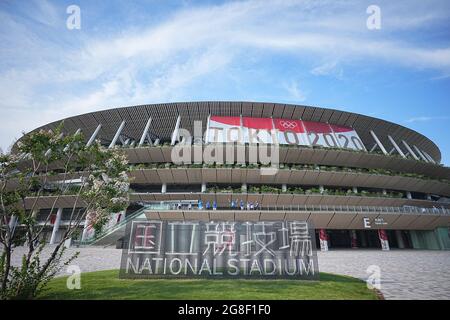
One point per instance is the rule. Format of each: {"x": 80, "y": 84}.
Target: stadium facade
{"x": 362, "y": 182}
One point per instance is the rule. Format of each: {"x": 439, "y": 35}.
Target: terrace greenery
{"x": 315, "y": 147}
{"x": 377, "y": 171}
{"x": 264, "y": 189}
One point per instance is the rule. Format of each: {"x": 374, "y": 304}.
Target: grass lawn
{"x": 107, "y": 285}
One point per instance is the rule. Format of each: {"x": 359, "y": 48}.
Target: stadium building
{"x": 362, "y": 182}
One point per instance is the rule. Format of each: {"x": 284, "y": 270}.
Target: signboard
{"x": 224, "y": 129}
{"x": 347, "y": 137}
{"x": 258, "y": 130}
{"x": 284, "y": 249}
{"x": 382, "y": 235}
{"x": 291, "y": 132}
{"x": 378, "y": 221}
{"x": 282, "y": 131}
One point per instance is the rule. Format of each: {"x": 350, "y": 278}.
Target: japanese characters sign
{"x": 284, "y": 249}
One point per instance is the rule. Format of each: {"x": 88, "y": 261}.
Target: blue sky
{"x": 308, "y": 52}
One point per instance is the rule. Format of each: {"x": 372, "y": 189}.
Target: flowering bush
{"x": 24, "y": 175}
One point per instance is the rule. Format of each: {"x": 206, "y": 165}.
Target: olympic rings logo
{"x": 288, "y": 124}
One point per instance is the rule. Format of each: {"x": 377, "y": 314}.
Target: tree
{"x": 47, "y": 163}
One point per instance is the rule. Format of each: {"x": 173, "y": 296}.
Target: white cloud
{"x": 79, "y": 73}
{"x": 328, "y": 69}
{"x": 425, "y": 119}
{"x": 295, "y": 93}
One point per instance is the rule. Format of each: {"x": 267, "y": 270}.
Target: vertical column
{"x": 244, "y": 187}
{"x": 382, "y": 235}
{"x": 207, "y": 129}
{"x": 323, "y": 238}
{"x": 164, "y": 188}
{"x": 355, "y": 190}
{"x": 408, "y": 195}
{"x": 363, "y": 240}
{"x": 321, "y": 188}
{"x": 283, "y": 187}
{"x": 354, "y": 239}
{"x": 398, "y": 235}
{"x": 56, "y": 225}
{"x": 203, "y": 187}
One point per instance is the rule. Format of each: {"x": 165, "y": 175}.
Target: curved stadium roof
{"x": 164, "y": 117}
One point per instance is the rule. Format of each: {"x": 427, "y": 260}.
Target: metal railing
{"x": 193, "y": 205}
{"x": 112, "y": 228}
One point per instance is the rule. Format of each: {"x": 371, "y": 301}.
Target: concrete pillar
{"x": 284, "y": 187}
{"x": 363, "y": 238}
{"x": 398, "y": 235}
{"x": 56, "y": 225}
{"x": 384, "y": 192}
{"x": 164, "y": 188}
{"x": 203, "y": 187}
{"x": 428, "y": 196}
{"x": 355, "y": 190}
{"x": 321, "y": 188}
{"x": 354, "y": 241}
{"x": 323, "y": 238}
{"x": 382, "y": 235}
{"x": 408, "y": 195}
{"x": 244, "y": 187}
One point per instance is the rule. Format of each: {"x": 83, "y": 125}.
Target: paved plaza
{"x": 405, "y": 274}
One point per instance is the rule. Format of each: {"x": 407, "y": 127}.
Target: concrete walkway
{"x": 405, "y": 274}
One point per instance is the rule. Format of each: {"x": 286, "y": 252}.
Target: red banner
{"x": 286, "y": 131}
{"x": 257, "y": 123}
